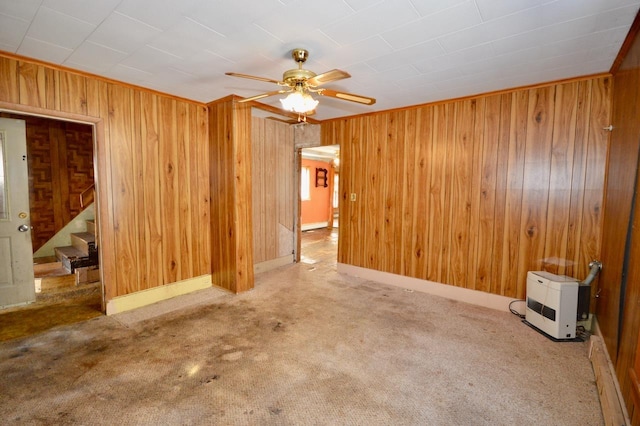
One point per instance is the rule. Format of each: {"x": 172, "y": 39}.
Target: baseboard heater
{"x": 552, "y": 304}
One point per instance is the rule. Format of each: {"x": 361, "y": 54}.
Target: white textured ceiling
{"x": 402, "y": 52}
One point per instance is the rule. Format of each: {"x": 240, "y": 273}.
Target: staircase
{"x": 72, "y": 266}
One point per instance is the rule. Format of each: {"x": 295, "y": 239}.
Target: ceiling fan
{"x": 299, "y": 83}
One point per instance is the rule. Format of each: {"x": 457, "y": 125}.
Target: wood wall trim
{"x": 477, "y": 96}
{"x": 613, "y": 411}
{"x": 48, "y": 113}
{"x": 626, "y": 45}
{"x": 72, "y": 71}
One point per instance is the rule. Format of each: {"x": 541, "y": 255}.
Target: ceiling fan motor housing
{"x": 291, "y": 77}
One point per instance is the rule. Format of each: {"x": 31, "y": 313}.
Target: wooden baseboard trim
{"x": 272, "y": 264}
{"x": 156, "y": 294}
{"x": 474, "y": 297}
{"x": 613, "y": 408}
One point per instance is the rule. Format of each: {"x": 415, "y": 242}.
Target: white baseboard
{"x": 474, "y": 297}
{"x": 317, "y": 225}
{"x": 272, "y": 264}
{"x": 156, "y": 294}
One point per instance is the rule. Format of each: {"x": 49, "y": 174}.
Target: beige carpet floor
{"x": 307, "y": 346}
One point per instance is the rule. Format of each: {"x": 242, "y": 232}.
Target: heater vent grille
{"x": 538, "y": 307}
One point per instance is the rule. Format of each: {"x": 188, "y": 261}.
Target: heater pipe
{"x": 595, "y": 268}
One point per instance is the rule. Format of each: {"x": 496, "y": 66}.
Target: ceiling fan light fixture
{"x": 299, "y": 102}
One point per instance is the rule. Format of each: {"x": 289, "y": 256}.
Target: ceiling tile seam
{"x": 329, "y": 38}
{"x": 95, "y": 27}
{"x": 182, "y": 72}
{"x": 258, "y": 26}
{"x": 594, "y": 15}
{"x": 115, "y": 12}
{"x": 415, "y": 9}
{"x": 106, "y": 47}
{"x": 29, "y": 28}
{"x": 349, "y": 6}
{"x": 52, "y": 44}
{"x": 15, "y": 17}
{"x": 475, "y": 2}
{"x": 217, "y": 55}
{"x": 120, "y": 64}
{"x": 68, "y": 16}
{"x": 161, "y": 51}
{"x": 205, "y": 26}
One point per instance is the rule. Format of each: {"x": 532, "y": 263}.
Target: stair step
{"x": 72, "y": 258}
{"x": 84, "y": 241}
{"x": 91, "y": 226}
{"x": 56, "y": 280}
{"x": 48, "y": 269}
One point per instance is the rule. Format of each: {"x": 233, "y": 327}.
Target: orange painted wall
{"x": 317, "y": 208}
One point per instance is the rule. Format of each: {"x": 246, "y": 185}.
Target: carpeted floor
{"x": 306, "y": 346}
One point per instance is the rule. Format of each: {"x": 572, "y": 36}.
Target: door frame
{"x": 97, "y": 125}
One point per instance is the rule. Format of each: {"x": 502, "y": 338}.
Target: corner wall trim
{"x": 156, "y": 294}
{"x": 272, "y": 264}
{"x": 474, "y": 297}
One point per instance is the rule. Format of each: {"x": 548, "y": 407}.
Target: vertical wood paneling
{"x": 436, "y": 213}
{"x": 486, "y": 174}
{"x": 32, "y": 85}
{"x": 243, "y": 205}
{"x": 105, "y": 192}
{"x": 231, "y": 209}
{"x": 201, "y": 226}
{"x": 421, "y": 179}
{"x": 152, "y": 168}
{"x": 617, "y": 307}
{"x": 10, "y": 81}
{"x": 560, "y": 182}
{"x": 123, "y": 181}
{"x": 73, "y": 93}
{"x": 496, "y": 284}
{"x": 184, "y": 192}
{"x": 462, "y": 153}
{"x": 222, "y": 211}
{"x": 513, "y": 193}
{"x": 170, "y": 188}
{"x": 407, "y": 254}
{"x": 477, "y": 192}
{"x": 597, "y": 149}
{"x": 273, "y": 189}
{"x": 151, "y": 213}
{"x": 52, "y": 89}
{"x": 537, "y": 168}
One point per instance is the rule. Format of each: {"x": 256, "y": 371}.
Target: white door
{"x": 16, "y": 253}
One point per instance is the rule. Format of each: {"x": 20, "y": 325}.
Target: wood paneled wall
{"x": 230, "y": 181}
{"x": 476, "y": 192}
{"x": 152, "y": 171}
{"x": 273, "y": 187}
{"x": 621, "y": 226}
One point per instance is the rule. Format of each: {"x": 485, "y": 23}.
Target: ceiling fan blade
{"x": 327, "y": 77}
{"x": 262, "y": 95}
{"x": 347, "y": 96}
{"x": 252, "y": 77}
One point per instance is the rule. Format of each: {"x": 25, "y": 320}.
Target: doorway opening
{"x": 319, "y": 207}
{"x": 62, "y": 214}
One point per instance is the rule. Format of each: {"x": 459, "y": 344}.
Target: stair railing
{"x": 88, "y": 196}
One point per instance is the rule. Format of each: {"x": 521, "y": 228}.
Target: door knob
{"x": 23, "y": 228}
